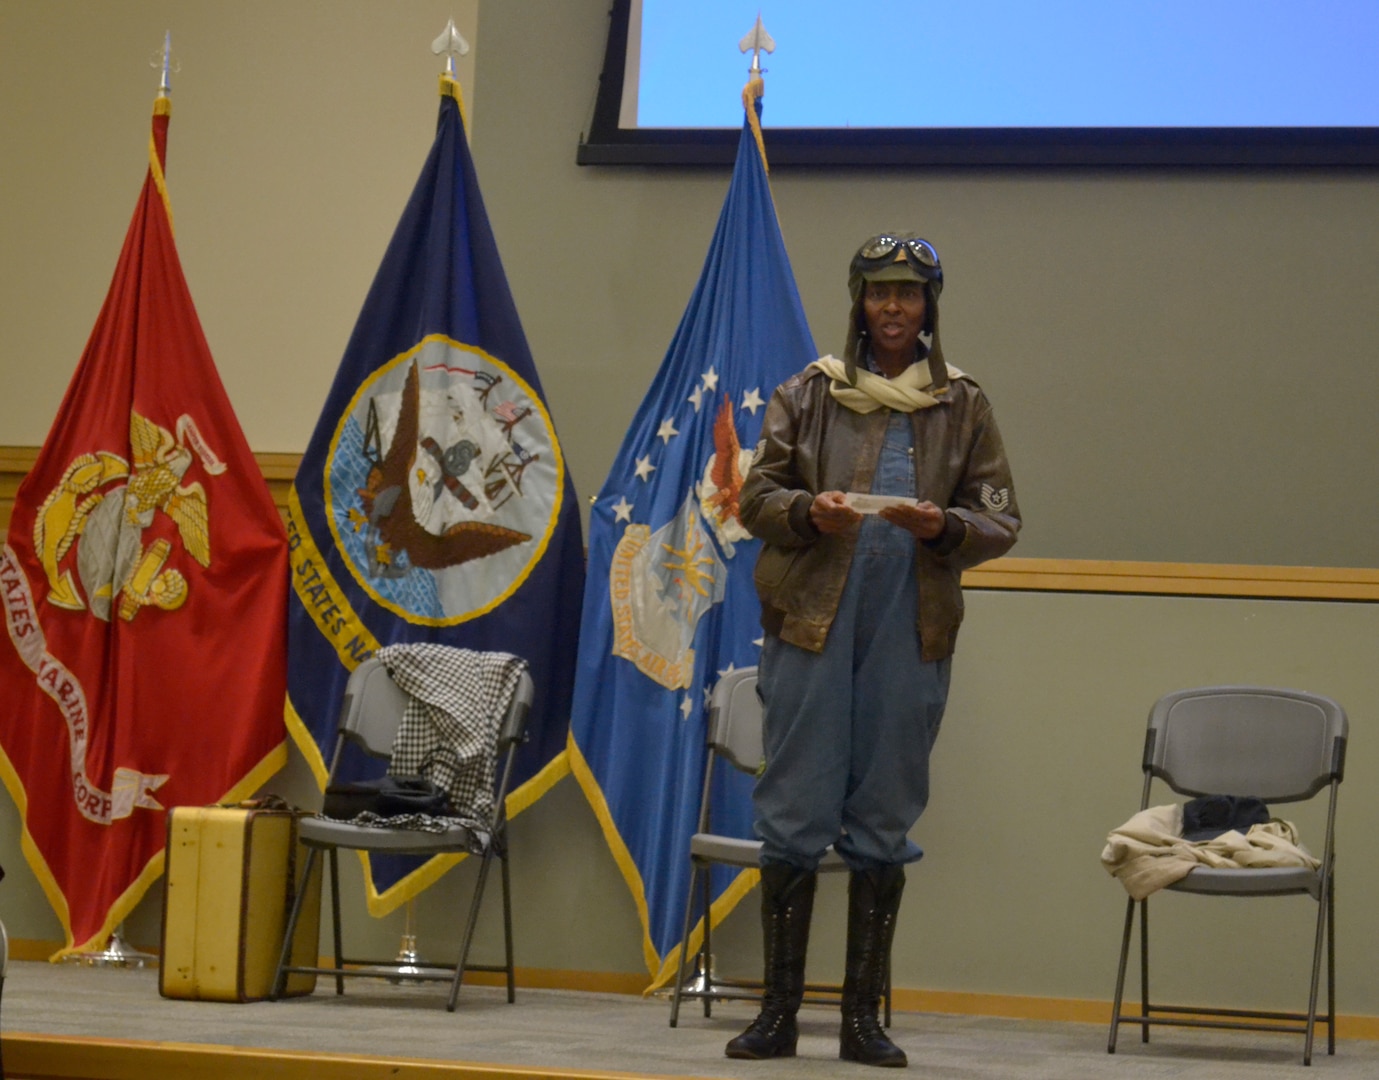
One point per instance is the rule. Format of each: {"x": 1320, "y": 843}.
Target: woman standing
{"x": 879, "y": 478}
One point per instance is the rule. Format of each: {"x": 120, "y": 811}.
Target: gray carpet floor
{"x": 631, "y": 1035}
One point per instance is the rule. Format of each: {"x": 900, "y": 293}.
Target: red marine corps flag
{"x": 143, "y": 588}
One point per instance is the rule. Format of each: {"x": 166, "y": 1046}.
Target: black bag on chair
{"x": 388, "y": 796}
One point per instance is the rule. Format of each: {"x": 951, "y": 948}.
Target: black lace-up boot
{"x": 873, "y": 901}
{"x": 787, "y": 901}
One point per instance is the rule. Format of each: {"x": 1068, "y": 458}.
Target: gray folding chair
{"x": 370, "y": 715}
{"x": 1277, "y": 745}
{"x": 734, "y": 734}
{"x": 4, "y": 971}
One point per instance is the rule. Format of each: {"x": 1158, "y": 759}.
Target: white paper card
{"x": 874, "y": 504}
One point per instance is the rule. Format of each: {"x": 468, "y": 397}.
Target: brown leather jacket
{"x": 810, "y": 443}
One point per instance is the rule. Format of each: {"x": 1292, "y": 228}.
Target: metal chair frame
{"x": 4, "y": 972}
{"x": 369, "y": 718}
{"x": 733, "y": 734}
{"x": 1199, "y": 742}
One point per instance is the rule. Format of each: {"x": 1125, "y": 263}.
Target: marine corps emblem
{"x": 96, "y": 540}
{"x": 100, "y": 510}
{"x": 444, "y": 483}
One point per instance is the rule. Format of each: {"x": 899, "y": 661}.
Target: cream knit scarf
{"x": 905, "y": 393}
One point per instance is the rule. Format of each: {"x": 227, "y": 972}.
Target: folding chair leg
{"x": 706, "y": 952}
{"x": 684, "y": 949}
{"x": 1322, "y": 923}
{"x": 507, "y": 928}
{"x": 4, "y": 965}
{"x": 335, "y": 914}
{"x": 469, "y": 929}
{"x": 1144, "y": 969}
{"x": 290, "y": 932}
{"x": 1331, "y": 968}
{"x": 1120, "y": 975}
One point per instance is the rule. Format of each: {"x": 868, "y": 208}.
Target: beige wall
{"x": 1181, "y": 362}
{"x": 298, "y": 130}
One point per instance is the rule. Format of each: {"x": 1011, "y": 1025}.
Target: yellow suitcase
{"x": 231, "y": 876}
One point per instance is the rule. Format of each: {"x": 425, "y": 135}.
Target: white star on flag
{"x": 697, "y": 398}
{"x": 644, "y": 467}
{"x": 710, "y": 378}
{"x": 667, "y": 430}
{"x": 686, "y": 707}
{"x": 622, "y": 510}
{"x": 751, "y": 401}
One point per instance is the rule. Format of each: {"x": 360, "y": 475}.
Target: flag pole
{"x": 756, "y": 41}
{"x": 451, "y": 44}
{"x": 118, "y": 953}
{"x": 164, "y": 86}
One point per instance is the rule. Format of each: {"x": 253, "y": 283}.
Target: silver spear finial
{"x": 757, "y": 40}
{"x": 164, "y": 83}
{"x": 452, "y": 44}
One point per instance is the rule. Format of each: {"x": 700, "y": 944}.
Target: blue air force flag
{"x": 433, "y": 502}
{"x": 670, "y": 605}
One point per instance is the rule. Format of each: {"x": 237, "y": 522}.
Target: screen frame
{"x": 608, "y": 143}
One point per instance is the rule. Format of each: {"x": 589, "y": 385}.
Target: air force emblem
{"x": 661, "y": 584}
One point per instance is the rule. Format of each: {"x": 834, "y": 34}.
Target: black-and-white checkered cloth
{"x": 457, "y": 699}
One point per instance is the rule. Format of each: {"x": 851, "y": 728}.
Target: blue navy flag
{"x": 433, "y": 502}
{"x": 670, "y": 605}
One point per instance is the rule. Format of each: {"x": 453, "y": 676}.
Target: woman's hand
{"x": 924, "y": 522}
{"x": 831, "y": 514}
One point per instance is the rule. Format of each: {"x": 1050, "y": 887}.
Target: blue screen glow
{"x": 1015, "y": 63}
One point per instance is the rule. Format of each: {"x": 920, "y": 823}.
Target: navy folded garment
{"x": 388, "y": 796}
{"x": 1208, "y": 816}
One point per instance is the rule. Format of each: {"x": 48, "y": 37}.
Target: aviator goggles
{"x": 883, "y": 250}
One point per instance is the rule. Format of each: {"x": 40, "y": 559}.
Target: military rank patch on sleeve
{"x": 994, "y": 499}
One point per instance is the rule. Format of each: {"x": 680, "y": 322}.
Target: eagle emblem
{"x": 444, "y": 482}
{"x": 102, "y": 507}
{"x": 400, "y": 539}
{"x": 721, "y": 485}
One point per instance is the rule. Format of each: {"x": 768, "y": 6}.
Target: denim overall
{"x": 848, "y": 731}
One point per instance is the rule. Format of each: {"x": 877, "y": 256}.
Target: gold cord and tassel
{"x": 755, "y": 89}
{"x": 451, "y": 88}
{"x": 162, "y": 106}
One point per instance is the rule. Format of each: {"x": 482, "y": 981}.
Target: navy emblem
{"x": 444, "y": 482}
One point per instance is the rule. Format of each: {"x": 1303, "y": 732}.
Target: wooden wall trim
{"x": 15, "y": 462}
{"x": 1010, "y": 574}
{"x": 1176, "y": 579}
